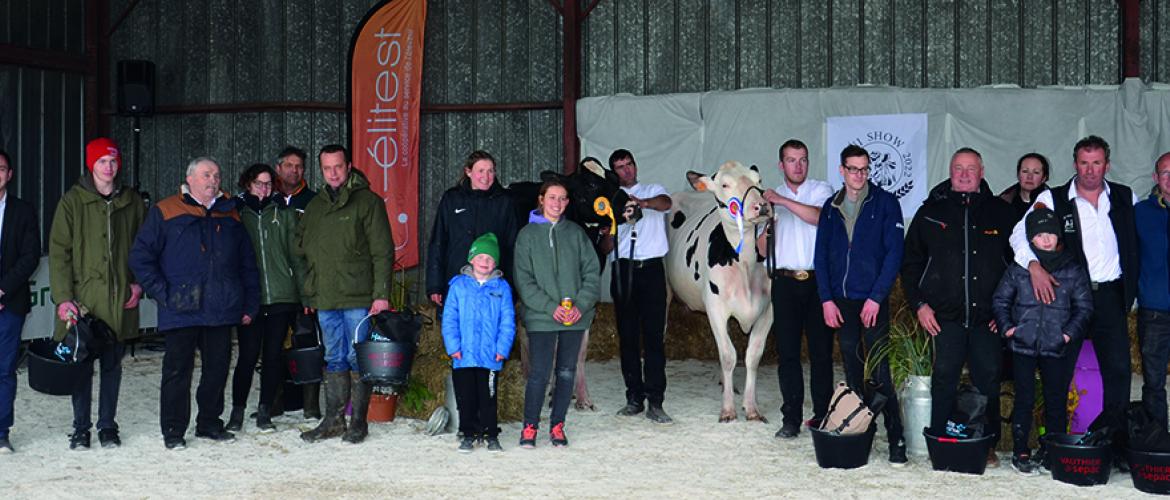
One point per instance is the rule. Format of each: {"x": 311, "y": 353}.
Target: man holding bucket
{"x": 347, "y": 245}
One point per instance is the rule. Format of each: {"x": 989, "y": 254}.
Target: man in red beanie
{"x": 20, "y": 252}
{"x": 89, "y": 271}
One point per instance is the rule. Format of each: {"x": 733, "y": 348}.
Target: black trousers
{"x": 954, "y": 347}
{"x": 1110, "y": 335}
{"x": 543, "y": 349}
{"x": 215, "y": 349}
{"x": 1054, "y": 379}
{"x": 1154, "y": 336}
{"x": 111, "y": 383}
{"x": 475, "y": 394}
{"x": 854, "y": 351}
{"x": 641, "y": 324}
{"x": 265, "y": 336}
{"x": 796, "y": 309}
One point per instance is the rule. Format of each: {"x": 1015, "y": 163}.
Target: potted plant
{"x": 909, "y": 350}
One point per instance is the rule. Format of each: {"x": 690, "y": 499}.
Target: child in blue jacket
{"x": 479, "y": 325}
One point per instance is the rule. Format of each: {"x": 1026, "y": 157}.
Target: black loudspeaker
{"x": 135, "y": 88}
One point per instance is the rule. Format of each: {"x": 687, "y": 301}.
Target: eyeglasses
{"x": 1165, "y": 174}
{"x": 855, "y": 171}
{"x": 262, "y": 184}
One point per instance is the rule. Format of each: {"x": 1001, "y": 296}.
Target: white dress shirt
{"x": 651, "y": 228}
{"x": 1098, "y": 241}
{"x": 795, "y": 238}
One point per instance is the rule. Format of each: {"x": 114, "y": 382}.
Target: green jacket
{"x": 274, "y": 231}
{"x": 345, "y": 240}
{"x": 554, "y": 261}
{"x": 89, "y": 252}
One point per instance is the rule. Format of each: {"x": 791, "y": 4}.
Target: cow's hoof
{"x": 727, "y": 417}
{"x": 758, "y": 417}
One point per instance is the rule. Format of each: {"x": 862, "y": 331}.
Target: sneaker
{"x": 898, "y": 454}
{"x": 221, "y": 436}
{"x": 787, "y": 431}
{"x": 109, "y": 438}
{"x": 467, "y": 445}
{"x": 631, "y": 409}
{"x": 1023, "y": 463}
{"x": 528, "y": 436}
{"x": 236, "y": 419}
{"x": 556, "y": 436}
{"x": 6, "y": 446}
{"x": 1040, "y": 459}
{"x": 79, "y": 440}
{"x": 493, "y": 445}
{"x": 175, "y": 443}
{"x": 657, "y": 415}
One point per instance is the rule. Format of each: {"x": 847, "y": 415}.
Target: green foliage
{"x": 415, "y": 396}
{"x": 907, "y": 347}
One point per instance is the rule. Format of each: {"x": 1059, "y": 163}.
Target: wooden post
{"x": 1131, "y": 39}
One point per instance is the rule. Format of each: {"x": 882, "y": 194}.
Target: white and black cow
{"x": 713, "y": 266}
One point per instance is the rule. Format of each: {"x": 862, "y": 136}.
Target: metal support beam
{"x": 43, "y": 59}
{"x": 283, "y": 106}
{"x": 1131, "y": 39}
{"x": 572, "y": 82}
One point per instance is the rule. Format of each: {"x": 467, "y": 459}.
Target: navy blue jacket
{"x": 1039, "y": 326}
{"x": 1153, "y": 232}
{"x": 196, "y": 263}
{"x": 866, "y": 267}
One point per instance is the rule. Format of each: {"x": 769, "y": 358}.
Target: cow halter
{"x": 734, "y": 207}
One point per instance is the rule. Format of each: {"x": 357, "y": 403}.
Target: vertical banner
{"x": 385, "y": 71}
{"x": 897, "y": 153}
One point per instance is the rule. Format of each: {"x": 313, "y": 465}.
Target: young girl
{"x": 1038, "y": 333}
{"x": 554, "y": 261}
{"x": 478, "y": 327}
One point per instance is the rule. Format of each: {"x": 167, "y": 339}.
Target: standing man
{"x": 20, "y": 253}
{"x": 1153, "y": 222}
{"x": 290, "y": 178}
{"x": 89, "y": 267}
{"x": 1097, "y": 217}
{"x": 194, "y": 257}
{"x": 858, "y": 252}
{"x": 795, "y": 304}
{"x": 956, "y": 251}
{"x": 347, "y": 245}
{"x": 638, "y": 286}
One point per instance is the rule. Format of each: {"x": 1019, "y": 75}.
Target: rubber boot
{"x": 360, "y": 397}
{"x": 336, "y": 395}
{"x": 236, "y": 420}
{"x": 312, "y": 408}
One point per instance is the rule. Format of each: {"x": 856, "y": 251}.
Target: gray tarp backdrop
{"x": 671, "y": 134}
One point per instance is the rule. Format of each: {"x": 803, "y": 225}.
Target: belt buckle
{"x": 800, "y": 275}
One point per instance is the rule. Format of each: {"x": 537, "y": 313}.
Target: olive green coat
{"x": 273, "y": 231}
{"x": 89, "y": 248}
{"x": 347, "y": 246}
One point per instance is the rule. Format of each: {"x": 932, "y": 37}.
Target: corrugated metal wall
{"x": 480, "y": 51}
{"x": 41, "y": 116}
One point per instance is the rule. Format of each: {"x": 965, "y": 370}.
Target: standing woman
{"x": 554, "y": 261}
{"x": 1031, "y": 174}
{"x": 272, "y": 226}
{"x": 89, "y": 267}
{"x": 476, "y": 205}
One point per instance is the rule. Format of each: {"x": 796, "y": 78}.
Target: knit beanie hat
{"x": 486, "y": 243}
{"x": 98, "y": 148}
{"x": 1041, "y": 220}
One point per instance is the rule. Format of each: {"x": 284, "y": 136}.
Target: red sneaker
{"x": 528, "y": 436}
{"x": 557, "y": 435}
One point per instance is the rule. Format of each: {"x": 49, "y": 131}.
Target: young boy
{"x": 479, "y": 325}
{"x": 1040, "y": 334}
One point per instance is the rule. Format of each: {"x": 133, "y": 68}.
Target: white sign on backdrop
{"x": 39, "y": 322}
{"x": 897, "y": 153}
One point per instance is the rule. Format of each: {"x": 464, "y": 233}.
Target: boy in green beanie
{"x": 479, "y": 325}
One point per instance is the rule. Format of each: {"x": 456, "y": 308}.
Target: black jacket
{"x": 1038, "y": 326}
{"x": 20, "y": 253}
{"x": 956, "y": 250}
{"x": 463, "y": 215}
{"x": 1121, "y": 214}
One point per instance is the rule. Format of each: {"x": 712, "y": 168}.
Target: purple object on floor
{"x": 1085, "y": 391}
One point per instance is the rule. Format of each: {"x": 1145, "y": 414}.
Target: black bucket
{"x": 1078, "y": 464}
{"x": 49, "y": 375}
{"x": 968, "y": 456}
{"x": 1150, "y": 471}
{"x": 384, "y": 363}
{"x": 842, "y": 451}
{"x": 305, "y": 365}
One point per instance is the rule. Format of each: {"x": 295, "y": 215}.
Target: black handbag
{"x": 85, "y": 340}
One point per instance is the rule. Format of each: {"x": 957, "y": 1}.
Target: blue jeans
{"x": 10, "y": 326}
{"x": 337, "y": 331}
{"x": 1154, "y": 338}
